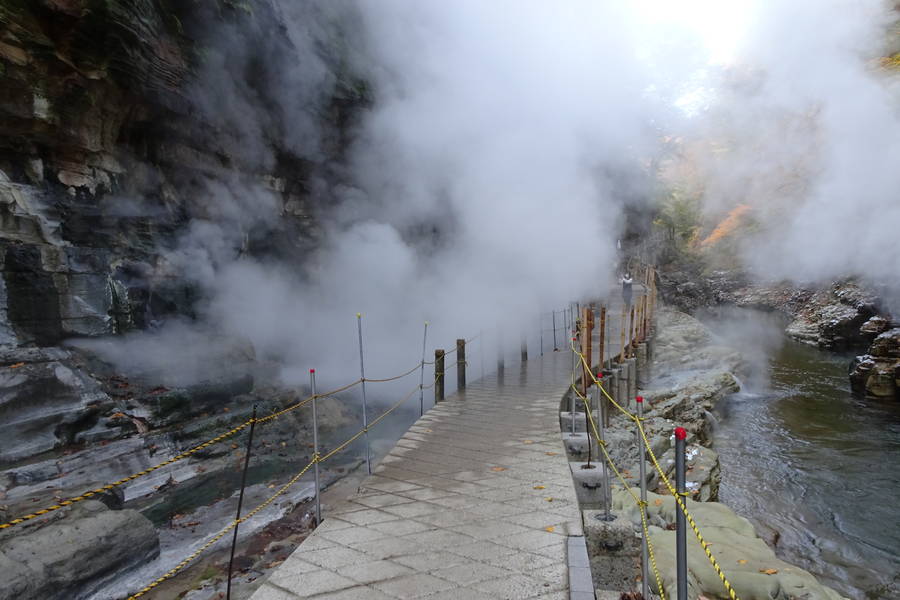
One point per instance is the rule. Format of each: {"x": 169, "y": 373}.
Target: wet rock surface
{"x": 75, "y": 552}
{"x": 690, "y": 374}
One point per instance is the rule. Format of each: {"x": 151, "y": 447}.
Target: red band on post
{"x": 680, "y": 433}
{"x": 639, "y": 399}
{"x": 599, "y": 375}
{"x": 312, "y": 370}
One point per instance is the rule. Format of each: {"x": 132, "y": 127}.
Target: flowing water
{"x": 812, "y": 464}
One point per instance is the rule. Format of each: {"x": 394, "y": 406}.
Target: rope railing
{"x": 234, "y": 523}
{"x": 663, "y": 477}
{"x": 202, "y": 446}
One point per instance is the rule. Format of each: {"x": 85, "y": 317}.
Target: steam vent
{"x": 449, "y": 300}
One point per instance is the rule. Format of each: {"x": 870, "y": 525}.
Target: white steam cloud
{"x": 487, "y": 180}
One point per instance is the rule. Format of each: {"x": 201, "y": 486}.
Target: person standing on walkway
{"x": 627, "y": 282}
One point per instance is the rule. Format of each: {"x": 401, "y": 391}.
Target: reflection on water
{"x": 804, "y": 458}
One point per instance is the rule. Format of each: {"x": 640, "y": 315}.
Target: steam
{"x": 487, "y": 180}
{"x": 805, "y": 129}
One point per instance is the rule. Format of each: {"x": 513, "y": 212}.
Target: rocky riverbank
{"x": 690, "y": 373}
{"x": 844, "y": 316}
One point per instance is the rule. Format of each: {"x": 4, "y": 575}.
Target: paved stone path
{"x": 475, "y": 502}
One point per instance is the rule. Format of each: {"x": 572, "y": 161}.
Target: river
{"x": 804, "y": 457}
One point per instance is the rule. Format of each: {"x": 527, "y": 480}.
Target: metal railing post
{"x": 574, "y": 389}
{"x": 680, "y": 531}
{"x": 601, "y": 433}
{"x": 312, "y": 385}
{"x": 555, "y": 345}
{"x": 237, "y": 517}
{"x": 365, "y": 408}
{"x": 460, "y": 364}
{"x": 422, "y": 374}
{"x": 642, "y": 470}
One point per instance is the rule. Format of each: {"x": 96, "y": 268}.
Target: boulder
{"x": 74, "y": 554}
{"x": 748, "y": 563}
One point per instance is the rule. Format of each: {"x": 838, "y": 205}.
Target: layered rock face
{"x": 125, "y": 125}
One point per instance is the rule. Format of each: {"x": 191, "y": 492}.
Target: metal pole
{"x": 460, "y": 365}
{"x": 680, "y": 531}
{"x": 501, "y": 363}
{"x": 438, "y": 376}
{"x": 422, "y": 374}
{"x": 365, "y": 408}
{"x": 312, "y": 385}
{"x": 481, "y": 350}
{"x": 607, "y": 500}
{"x": 237, "y": 518}
{"x": 541, "y": 331}
{"x": 642, "y": 470}
{"x": 572, "y": 394}
{"x": 555, "y": 345}
{"x": 524, "y": 349}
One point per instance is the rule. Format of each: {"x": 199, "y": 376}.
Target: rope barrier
{"x": 642, "y": 506}
{"x": 678, "y": 498}
{"x": 316, "y": 459}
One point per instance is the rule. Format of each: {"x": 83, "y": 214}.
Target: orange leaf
{"x": 742, "y": 561}
{"x": 528, "y": 442}
{"x": 498, "y": 469}
{"x": 540, "y": 487}
{"x": 658, "y": 502}
{"x": 550, "y": 453}
{"x": 17, "y": 365}
{"x": 549, "y": 499}
{"x": 768, "y": 571}
{"x": 549, "y": 529}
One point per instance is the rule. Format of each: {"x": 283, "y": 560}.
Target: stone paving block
{"x": 311, "y": 583}
{"x": 373, "y": 572}
{"x": 452, "y": 511}
{"x": 414, "y": 586}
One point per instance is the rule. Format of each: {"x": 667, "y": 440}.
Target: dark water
{"x": 803, "y": 457}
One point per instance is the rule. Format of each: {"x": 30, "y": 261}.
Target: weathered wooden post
{"x": 524, "y": 349}
{"x": 587, "y": 334}
{"x": 631, "y": 331}
{"x": 460, "y": 364}
{"x": 602, "y": 348}
{"x": 438, "y": 375}
{"x": 622, "y": 332}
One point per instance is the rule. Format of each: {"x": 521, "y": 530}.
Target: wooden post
{"x": 622, "y": 333}
{"x": 460, "y": 365}
{"x": 586, "y": 332}
{"x": 631, "y": 331}
{"x": 438, "y": 376}
{"x": 602, "y": 348}
{"x": 524, "y": 349}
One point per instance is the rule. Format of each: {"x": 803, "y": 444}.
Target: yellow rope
{"x": 682, "y": 506}
{"x": 641, "y": 505}
{"x": 316, "y": 459}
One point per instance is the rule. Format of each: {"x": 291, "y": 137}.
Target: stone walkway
{"x": 475, "y": 502}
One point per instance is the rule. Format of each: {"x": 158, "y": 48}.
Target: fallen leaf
{"x": 768, "y": 571}
{"x": 549, "y": 499}
{"x": 226, "y": 409}
{"x": 742, "y": 561}
{"x": 528, "y": 442}
{"x": 658, "y": 502}
{"x": 498, "y": 469}
{"x": 429, "y": 431}
{"x": 549, "y": 529}
{"x": 550, "y": 453}
{"x": 540, "y": 487}
{"x": 17, "y": 365}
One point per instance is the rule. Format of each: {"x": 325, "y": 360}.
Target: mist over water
{"x": 803, "y": 457}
